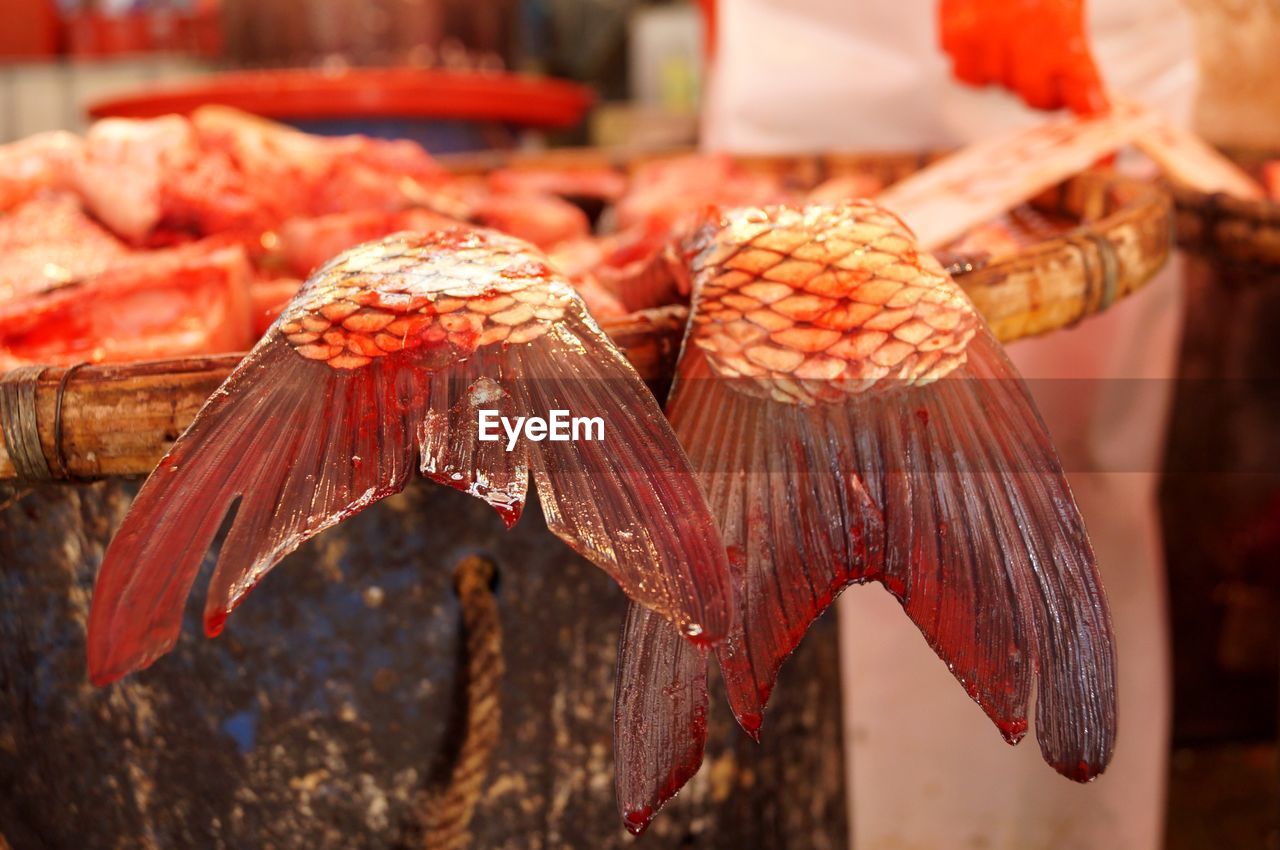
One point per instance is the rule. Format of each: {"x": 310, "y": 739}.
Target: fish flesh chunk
{"x": 48, "y": 242}
{"x": 190, "y": 300}
{"x": 982, "y": 181}
{"x": 40, "y": 163}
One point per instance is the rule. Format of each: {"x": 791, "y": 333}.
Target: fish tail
{"x": 793, "y": 512}
{"x": 660, "y": 715}
{"x": 988, "y": 554}
{"x": 296, "y": 446}
{"x": 302, "y": 444}
{"x": 630, "y": 502}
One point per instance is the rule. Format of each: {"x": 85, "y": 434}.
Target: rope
{"x": 18, "y": 421}
{"x": 11, "y": 494}
{"x": 445, "y": 816}
{"x": 59, "y": 447}
{"x": 20, "y": 425}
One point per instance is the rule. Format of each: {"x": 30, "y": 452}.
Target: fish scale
{"x": 812, "y": 304}
{"x": 483, "y": 288}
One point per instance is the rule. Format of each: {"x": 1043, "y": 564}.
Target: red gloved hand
{"x": 1035, "y": 48}
{"x": 1271, "y": 179}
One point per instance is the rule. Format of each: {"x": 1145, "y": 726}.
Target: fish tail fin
{"x": 278, "y": 439}
{"x": 300, "y": 446}
{"x": 457, "y": 451}
{"x": 628, "y": 502}
{"x": 988, "y": 554}
{"x": 794, "y": 514}
{"x": 660, "y": 715}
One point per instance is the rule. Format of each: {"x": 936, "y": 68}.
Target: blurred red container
{"x": 29, "y": 29}
{"x": 369, "y": 93}
{"x": 199, "y": 33}
{"x": 94, "y": 34}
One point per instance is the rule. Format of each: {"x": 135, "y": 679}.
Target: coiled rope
{"x": 446, "y": 815}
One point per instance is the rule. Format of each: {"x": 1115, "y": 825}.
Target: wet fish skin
{"x": 818, "y": 302}
{"x": 450, "y": 291}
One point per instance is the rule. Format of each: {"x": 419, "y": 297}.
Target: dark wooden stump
{"x": 1220, "y": 499}
{"x": 333, "y": 698}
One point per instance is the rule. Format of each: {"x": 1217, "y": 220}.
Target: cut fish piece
{"x": 270, "y": 297}
{"x": 1192, "y": 162}
{"x": 125, "y": 167}
{"x": 48, "y": 242}
{"x": 189, "y": 300}
{"x": 544, "y": 220}
{"x": 308, "y": 243}
{"x": 571, "y": 182}
{"x": 39, "y": 163}
{"x": 1271, "y": 177}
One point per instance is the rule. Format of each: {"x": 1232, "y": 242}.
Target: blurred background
{"x": 641, "y": 57}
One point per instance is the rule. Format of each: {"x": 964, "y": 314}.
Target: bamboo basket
{"x": 106, "y": 420}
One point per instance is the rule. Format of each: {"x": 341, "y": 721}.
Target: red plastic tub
{"x": 292, "y": 95}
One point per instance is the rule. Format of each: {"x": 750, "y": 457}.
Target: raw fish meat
{"x": 308, "y": 243}
{"x": 223, "y": 171}
{"x": 544, "y": 220}
{"x": 846, "y": 187}
{"x": 1190, "y": 161}
{"x": 43, "y": 162}
{"x": 126, "y": 167}
{"x": 292, "y": 201}
{"x": 189, "y": 300}
{"x": 602, "y": 183}
{"x": 1271, "y": 178}
{"x": 983, "y": 180}
{"x": 293, "y": 173}
{"x": 269, "y": 298}
{"x": 48, "y": 242}
{"x": 666, "y": 190}
{"x": 640, "y": 267}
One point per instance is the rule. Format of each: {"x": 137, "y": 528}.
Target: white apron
{"x": 926, "y": 768}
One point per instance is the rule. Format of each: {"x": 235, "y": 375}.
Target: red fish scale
{"x": 814, "y": 303}
{"x": 450, "y": 291}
